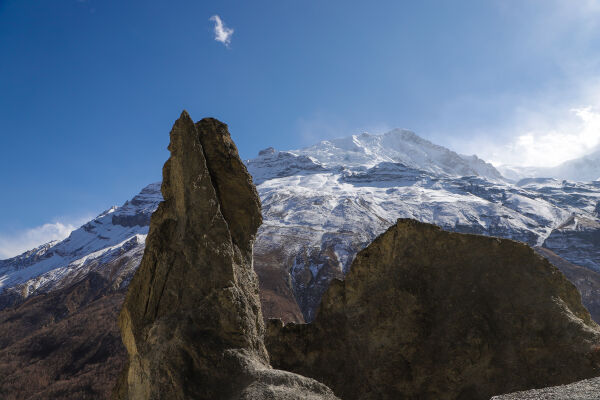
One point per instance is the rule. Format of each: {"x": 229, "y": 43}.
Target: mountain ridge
{"x": 323, "y": 204}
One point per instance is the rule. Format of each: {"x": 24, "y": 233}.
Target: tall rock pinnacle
{"x": 192, "y": 321}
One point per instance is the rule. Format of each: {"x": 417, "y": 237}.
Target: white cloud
{"x": 222, "y": 33}
{"x": 571, "y": 139}
{"x": 545, "y": 138}
{"x": 556, "y": 120}
{"x": 18, "y": 242}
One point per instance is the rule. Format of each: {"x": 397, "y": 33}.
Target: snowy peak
{"x": 109, "y": 235}
{"x": 365, "y": 151}
{"x": 138, "y": 210}
{"x": 482, "y": 168}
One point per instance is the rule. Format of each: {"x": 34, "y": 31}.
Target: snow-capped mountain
{"x": 366, "y": 151}
{"x": 323, "y": 204}
{"x": 582, "y": 169}
{"x": 317, "y": 218}
{"x": 118, "y": 234}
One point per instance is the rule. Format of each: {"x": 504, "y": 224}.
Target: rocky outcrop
{"x": 429, "y": 314}
{"x": 192, "y": 321}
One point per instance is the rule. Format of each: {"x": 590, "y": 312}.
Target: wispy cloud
{"x": 575, "y": 136}
{"x": 222, "y": 32}
{"x": 542, "y": 137}
{"x": 18, "y": 242}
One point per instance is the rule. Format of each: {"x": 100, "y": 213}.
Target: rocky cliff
{"x": 192, "y": 321}
{"x": 429, "y": 314}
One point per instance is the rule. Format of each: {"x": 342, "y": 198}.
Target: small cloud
{"x": 222, "y": 33}
{"x": 18, "y": 242}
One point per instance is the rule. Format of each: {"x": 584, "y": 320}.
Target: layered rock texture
{"x": 429, "y": 314}
{"x": 192, "y": 322}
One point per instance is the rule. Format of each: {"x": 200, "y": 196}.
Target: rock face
{"x": 429, "y": 314}
{"x": 192, "y": 321}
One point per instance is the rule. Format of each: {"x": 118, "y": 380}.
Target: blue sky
{"x": 89, "y": 89}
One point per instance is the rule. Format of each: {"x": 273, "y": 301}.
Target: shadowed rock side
{"x": 191, "y": 321}
{"x": 429, "y": 314}
{"x": 584, "y": 279}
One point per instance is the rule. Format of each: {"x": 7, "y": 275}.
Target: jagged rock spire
{"x": 192, "y": 322}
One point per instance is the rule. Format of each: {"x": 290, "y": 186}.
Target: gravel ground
{"x": 583, "y": 390}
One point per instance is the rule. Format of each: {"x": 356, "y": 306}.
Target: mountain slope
{"x": 117, "y": 234}
{"x": 64, "y": 344}
{"x": 587, "y": 281}
{"x": 316, "y": 219}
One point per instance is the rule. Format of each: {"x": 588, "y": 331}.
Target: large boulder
{"x": 191, "y": 321}
{"x": 429, "y": 314}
